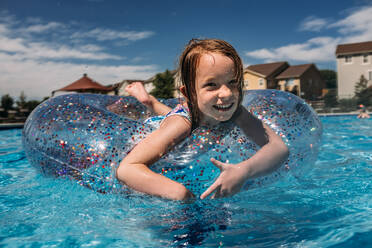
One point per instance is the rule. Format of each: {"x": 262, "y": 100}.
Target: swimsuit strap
{"x": 155, "y": 121}
{"x": 180, "y": 110}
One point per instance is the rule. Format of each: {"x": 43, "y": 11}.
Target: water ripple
{"x": 328, "y": 206}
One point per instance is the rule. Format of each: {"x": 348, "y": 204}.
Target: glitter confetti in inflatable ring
{"x": 85, "y": 136}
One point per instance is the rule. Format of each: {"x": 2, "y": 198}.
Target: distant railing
{"x": 13, "y": 115}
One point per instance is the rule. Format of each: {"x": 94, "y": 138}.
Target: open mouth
{"x": 223, "y": 107}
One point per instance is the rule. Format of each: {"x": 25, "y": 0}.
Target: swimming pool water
{"x": 331, "y": 206}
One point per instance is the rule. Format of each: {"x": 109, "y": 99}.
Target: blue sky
{"x": 45, "y": 45}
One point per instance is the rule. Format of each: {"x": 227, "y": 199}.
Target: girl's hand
{"x": 228, "y": 183}
{"x": 137, "y": 90}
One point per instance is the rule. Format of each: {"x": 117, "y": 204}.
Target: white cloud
{"x": 101, "y": 34}
{"x": 41, "y": 50}
{"x": 312, "y": 23}
{"x": 262, "y": 54}
{"x": 12, "y": 45}
{"x": 320, "y": 49}
{"x": 39, "y": 28}
{"x": 39, "y": 78}
{"x": 357, "y": 21}
{"x": 3, "y": 29}
{"x": 355, "y": 27}
{"x": 18, "y": 40}
{"x": 33, "y": 62}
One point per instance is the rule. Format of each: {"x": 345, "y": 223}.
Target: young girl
{"x": 363, "y": 114}
{"x": 211, "y": 74}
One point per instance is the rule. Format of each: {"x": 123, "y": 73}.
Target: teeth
{"x": 226, "y": 106}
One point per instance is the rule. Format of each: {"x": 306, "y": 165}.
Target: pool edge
{"x": 5, "y": 126}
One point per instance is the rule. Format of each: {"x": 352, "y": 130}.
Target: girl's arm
{"x": 134, "y": 168}
{"x": 270, "y": 157}
{"x": 157, "y": 107}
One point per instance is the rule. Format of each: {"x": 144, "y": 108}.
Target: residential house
{"x": 302, "y": 80}
{"x": 119, "y": 88}
{"x": 262, "y": 76}
{"x": 353, "y": 60}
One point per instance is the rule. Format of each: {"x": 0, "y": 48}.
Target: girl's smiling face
{"x": 217, "y": 91}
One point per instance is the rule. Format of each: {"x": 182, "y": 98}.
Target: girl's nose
{"x": 224, "y": 92}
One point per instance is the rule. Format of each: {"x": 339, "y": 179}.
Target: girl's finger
{"x": 210, "y": 190}
{"x": 218, "y": 164}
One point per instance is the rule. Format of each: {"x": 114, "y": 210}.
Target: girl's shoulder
{"x": 176, "y": 125}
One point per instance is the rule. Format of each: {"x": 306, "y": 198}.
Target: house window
{"x": 370, "y": 75}
{"x": 246, "y": 83}
{"x": 289, "y": 82}
{"x": 348, "y": 59}
{"x": 261, "y": 82}
{"x": 365, "y": 58}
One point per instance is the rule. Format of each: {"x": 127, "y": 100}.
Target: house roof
{"x": 85, "y": 84}
{"x": 267, "y": 69}
{"x": 354, "y": 48}
{"x": 294, "y": 71}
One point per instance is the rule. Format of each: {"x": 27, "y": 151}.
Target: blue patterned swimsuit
{"x": 181, "y": 110}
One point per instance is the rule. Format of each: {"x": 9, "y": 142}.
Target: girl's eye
{"x": 210, "y": 85}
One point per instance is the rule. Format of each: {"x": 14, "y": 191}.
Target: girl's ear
{"x": 183, "y": 91}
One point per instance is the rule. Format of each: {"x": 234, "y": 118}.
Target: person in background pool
{"x": 211, "y": 73}
{"x": 363, "y": 112}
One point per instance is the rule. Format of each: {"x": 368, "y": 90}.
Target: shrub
{"x": 164, "y": 85}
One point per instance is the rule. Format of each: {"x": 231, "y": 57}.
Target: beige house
{"x": 262, "y": 76}
{"x": 353, "y": 60}
{"x": 301, "y": 80}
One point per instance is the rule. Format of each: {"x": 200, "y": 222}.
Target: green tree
{"x": 367, "y": 97}
{"x": 330, "y": 78}
{"x": 363, "y": 94}
{"x": 30, "y": 105}
{"x": 360, "y": 86}
{"x": 21, "y": 103}
{"x": 164, "y": 85}
{"x": 7, "y": 102}
{"x": 330, "y": 99}
{"x": 347, "y": 104}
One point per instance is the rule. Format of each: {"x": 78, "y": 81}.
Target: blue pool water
{"x": 330, "y": 206}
